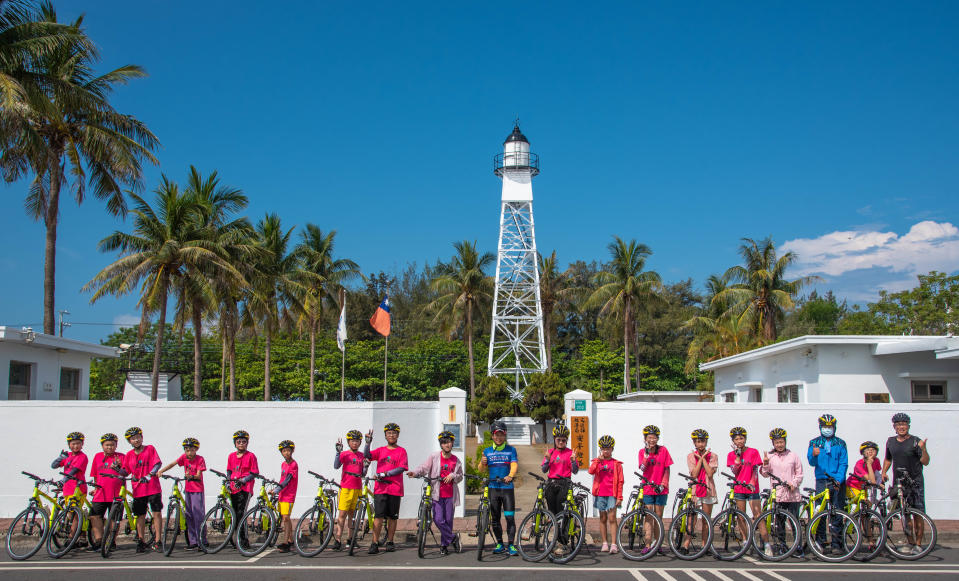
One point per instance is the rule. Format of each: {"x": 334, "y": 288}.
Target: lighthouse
{"x": 516, "y": 345}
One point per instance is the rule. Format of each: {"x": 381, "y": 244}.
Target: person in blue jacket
{"x": 827, "y": 454}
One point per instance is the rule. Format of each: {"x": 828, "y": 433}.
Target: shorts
{"x": 655, "y": 499}
{"x": 348, "y": 498}
{"x": 701, "y": 500}
{"x": 285, "y": 508}
{"x": 916, "y": 497}
{"x": 851, "y": 492}
{"x": 99, "y": 508}
{"x": 604, "y": 503}
{"x": 386, "y": 506}
{"x": 140, "y": 504}
{"x": 746, "y": 495}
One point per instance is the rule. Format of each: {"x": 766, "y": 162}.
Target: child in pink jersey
{"x": 654, "y": 462}
{"x": 142, "y": 464}
{"x": 105, "y": 464}
{"x": 391, "y": 462}
{"x": 607, "y": 490}
{"x": 559, "y": 464}
{"x": 744, "y": 463}
{"x": 74, "y": 466}
{"x": 242, "y": 466}
{"x": 353, "y": 465}
{"x": 289, "y": 480}
{"x": 867, "y": 469}
{"x": 446, "y": 494}
{"x": 702, "y": 464}
{"x": 193, "y": 468}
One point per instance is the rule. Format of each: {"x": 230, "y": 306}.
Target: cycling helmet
{"x": 607, "y": 442}
{"x": 827, "y": 420}
{"x": 777, "y": 433}
{"x": 392, "y": 426}
{"x": 651, "y": 429}
{"x": 190, "y": 443}
{"x": 868, "y": 444}
{"x": 134, "y": 431}
{"x": 699, "y": 434}
{"x": 901, "y": 417}
{"x": 737, "y": 431}
{"x": 241, "y": 434}
{"x": 446, "y": 435}
{"x": 560, "y": 431}
{"x": 354, "y": 435}
{"x": 75, "y": 436}
{"x": 108, "y": 437}
{"x": 286, "y": 444}
{"x": 497, "y": 426}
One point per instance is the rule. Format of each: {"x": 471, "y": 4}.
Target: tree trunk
{"x": 312, "y": 358}
{"x": 157, "y": 351}
{"x": 266, "y": 363}
{"x": 626, "y": 349}
{"x": 222, "y": 363}
{"x": 638, "y": 382}
{"x": 50, "y": 250}
{"x": 469, "y": 347}
{"x": 232, "y": 355}
{"x": 144, "y": 321}
{"x": 769, "y": 328}
{"x": 197, "y": 353}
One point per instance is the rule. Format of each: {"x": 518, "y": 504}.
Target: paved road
{"x": 403, "y": 565}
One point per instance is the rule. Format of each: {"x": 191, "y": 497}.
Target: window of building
{"x": 20, "y": 375}
{"x": 877, "y": 398}
{"x": 69, "y": 383}
{"x": 757, "y": 393}
{"x": 729, "y": 397}
{"x": 928, "y": 391}
{"x": 788, "y": 394}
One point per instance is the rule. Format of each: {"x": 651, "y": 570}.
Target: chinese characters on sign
{"x": 579, "y": 436}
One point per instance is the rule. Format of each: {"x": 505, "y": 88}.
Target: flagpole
{"x": 341, "y": 341}
{"x": 343, "y": 375}
{"x": 386, "y": 352}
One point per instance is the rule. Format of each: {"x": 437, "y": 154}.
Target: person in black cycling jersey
{"x": 500, "y": 459}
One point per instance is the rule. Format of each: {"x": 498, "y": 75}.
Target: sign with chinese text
{"x": 579, "y": 438}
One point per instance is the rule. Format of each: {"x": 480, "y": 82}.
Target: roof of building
{"x": 29, "y": 337}
{"x": 516, "y": 135}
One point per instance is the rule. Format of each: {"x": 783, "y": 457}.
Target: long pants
{"x": 501, "y": 500}
{"x": 555, "y": 494}
{"x": 195, "y": 511}
{"x": 793, "y": 509}
{"x": 837, "y": 499}
{"x": 238, "y": 500}
{"x": 443, "y": 517}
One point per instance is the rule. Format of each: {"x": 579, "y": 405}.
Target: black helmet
{"x": 354, "y": 435}
{"x": 901, "y": 417}
{"x": 446, "y": 435}
{"x": 868, "y": 444}
{"x": 75, "y": 436}
{"x": 777, "y": 433}
{"x": 190, "y": 443}
{"x": 497, "y": 426}
{"x": 286, "y": 444}
{"x": 651, "y": 429}
{"x": 699, "y": 434}
{"x": 391, "y": 427}
{"x": 241, "y": 434}
{"x": 108, "y": 437}
{"x": 827, "y": 420}
{"x": 134, "y": 431}
{"x": 560, "y": 431}
{"x": 737, "y": 431}
{"x": 606, "y": 442}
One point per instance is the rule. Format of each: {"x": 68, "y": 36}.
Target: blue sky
{"x": 832, "y": 128}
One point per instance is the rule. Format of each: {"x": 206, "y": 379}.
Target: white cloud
{"x": 126, "y": 320}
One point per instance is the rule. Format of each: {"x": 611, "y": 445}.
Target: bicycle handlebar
{"x": 486, "y": 479}
{"x": 689, "y": 478}
{"x": 174, "y": 478}
{"x": 738, "y": 483}
{"x": 537, "y": 476}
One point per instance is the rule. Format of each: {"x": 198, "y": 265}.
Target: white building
{"x": 842, "y": 369}
{"x": 47, "y": 367}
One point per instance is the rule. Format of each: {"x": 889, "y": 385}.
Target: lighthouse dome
{"x": 516, "y": 135}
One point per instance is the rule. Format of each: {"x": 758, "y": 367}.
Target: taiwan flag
{"x": 381, "y": 318}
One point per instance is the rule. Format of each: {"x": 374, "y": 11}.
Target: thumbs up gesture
{"x": 815, "y": 450}
{"x": 922, "y": 444}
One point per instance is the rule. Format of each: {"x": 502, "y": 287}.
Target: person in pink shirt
{"x": 241, "y": 465}
{"x": 107, "y": 462}
{"x": 193, "y": 468}
{"x": 607, "y": 491}
{"x": 785, "y": 465}
{"x": 654, "y": 462}
{"x": 142, "y": 464}
{"x": 702, "y": 464}
{"x": 289, "y": 480}
{"x": 391, "y": 462}
{"x": 353, "y": 465}
{"x": 559, "y": 464}
{"x": 867, "y": 469}
{"x": 446, "y": 494}
{"x": 74, "y": 466}
{"x": 744, "y": 463}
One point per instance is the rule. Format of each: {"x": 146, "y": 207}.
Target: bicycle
{"x": 823, "y": 515}
{"x": 175, "y": 522}
{"x": 536, "y": 536}
{"x": 571, "y": 522}
{"x": 903, "y": 520}
{"x": 71, "y": 521}
{"x": 28, "y": 531}
{"x": 682, "y": 528}
{"x": 219, "y": 523}
{"x": 424, "y": 515}
{"x": 781, "y": 526}
{"x": 641, "y": 531}
{"x": 871, "y": 522}
{"x": 315, "y": 528}
{"x": 732, "y": 529}
{"x": 118, "y": 508}
{"x": 363, "y": 514}
{"x": 484, "y": 523}
{"x": 260, "y": 526}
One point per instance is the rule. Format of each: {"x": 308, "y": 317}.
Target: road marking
{"x": 637, "y": 575}
{"x": 694, "y": 576}
{"x": 749, "y": 559}
{"x": 749, "y": 576}
{"x": 722, "y": 577}
{"x": 256, "y": 558}
{"x": 662, "y": 573}
{"x": 776, "y": 575}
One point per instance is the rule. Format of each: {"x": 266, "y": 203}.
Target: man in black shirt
{"x": 908, "y": 452}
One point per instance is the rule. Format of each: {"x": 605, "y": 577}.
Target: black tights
{"x": 502, "y": 500}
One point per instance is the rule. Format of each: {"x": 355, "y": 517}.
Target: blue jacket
{"x": 832, "y": 459}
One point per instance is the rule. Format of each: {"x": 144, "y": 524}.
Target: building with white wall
{"x": 842, "y": 369}
{"x": 45, "y": 367}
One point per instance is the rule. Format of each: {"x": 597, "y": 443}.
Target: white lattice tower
{"x": 516, "y": 346}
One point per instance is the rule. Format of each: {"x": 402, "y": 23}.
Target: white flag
{"x": 341, "y": 328}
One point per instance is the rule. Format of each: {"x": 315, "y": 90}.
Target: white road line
{"x": 749, "y": 559}
{"x": 719, "y": 574}
{"x": 749, "y": 576}
{"x": 260, "y": 556}
{"x": 694, "y": 576}
{"x": 662, "y": 573}
{"x": 775, "y": 575}
{"x": 637, "y": 575}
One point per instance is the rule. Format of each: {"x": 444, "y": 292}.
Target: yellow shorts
{"x": 348, "y": 498}
{"x": 285, "y": 508}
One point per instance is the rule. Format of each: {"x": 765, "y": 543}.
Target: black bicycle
{"x": 484, "y": 523}
{"x": 910, "y": 533}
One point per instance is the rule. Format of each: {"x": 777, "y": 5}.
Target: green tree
{"x": 932, "y": 308}
{"x": 544, "y": 398}
{"x": 555, "y": 292}
{"x": 491, "y": 400}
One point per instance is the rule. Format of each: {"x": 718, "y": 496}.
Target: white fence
{"x": 33, "y": 433}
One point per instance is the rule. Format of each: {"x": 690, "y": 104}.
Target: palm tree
{"x": 554, "y": 291}
{"x": 717, "y": 337}
{"x": 70, "y": 129}
{"x": 168, "y": 240}
{"x": 623, "y": 287}
{"x": 463, "y": 286}
{"x": 761, "y": 295}
{"x": 322, "y": 276}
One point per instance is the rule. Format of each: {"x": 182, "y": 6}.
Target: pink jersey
{"x": 352, "y": 469}
{"x": 706, "y": 486}
{"x": 241, "y": 467}
{"x": 654, "y": 468}
{"x": 747, "y": 471}
{"x": 194, "y": 467}
{"x": 560, "y": 463}
{"x": 109, "y": 487}
{"x": 291, "y": 469}
{"x": 860, "y": 470}
{"x": 447, "y": 467}
{"x": 386, "y": 460}
{"x": 139, "y": 466}
{"x": 78, "y": 461}
{"x": 604, "y": 476}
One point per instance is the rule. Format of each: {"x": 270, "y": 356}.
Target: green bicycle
{"x": 779, "y": 527}
{"x": 571, "y": 524}
{"x": 28, "y": 531}
{"x": 641, "y": 531}
{"x": 219, "y": 523}
{"x": 175, "y": 522}
{"x": 823, "y": 537}
{"x": 424, "y": 515}
{"x": 315, "y": 528}
{"x": 484, "y": 524}
{"x": 363, "y": 514}
{"x": 121, "y": 506}
{"x": 71, "y": 521}
{"x": 260, "y": 526}
{"x": 732, "y": 529}
{"x": 871, "y": 522}
{"x": 536, "y": 536}
{"x": 686, "y": 542}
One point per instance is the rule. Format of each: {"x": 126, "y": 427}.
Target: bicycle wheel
{"x": 690, "y": 534}
{"x": 359, "y": 524}
{"x": 640, "y": 534}
{"x": 64, "y": 531}
{"x": 27, "y": 533}
{"x": 873, "y": 531}
{"x": 910, "y": 538}
{"x": 255, "y": 531}
{"x": 313, "y": 531}
{"x": 424, "y": 518}
{"x": 111, "y": 528}
{"x": 218, "y": 528}
{"x": 171, "y": 528}
{"x": 830, "y": 546}
{"x": 536, "y": 536}
{"x": 482, "y": 528}
{"x": 782, "y": 531}
{"x": 571, "y": 532}
{"x": 732, "y": 534}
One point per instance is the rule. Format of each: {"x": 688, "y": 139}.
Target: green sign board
{"x": 579, "y": 405}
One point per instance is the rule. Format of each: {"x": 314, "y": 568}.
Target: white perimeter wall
{"x": 34, "y": 433}
{"x": 857, "y": 423}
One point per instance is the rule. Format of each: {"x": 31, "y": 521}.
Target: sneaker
{"x": 613, "y": 549}
{"x": 498, "y": 549}
{"x": 604, "y": 548}
{"x": 374, "y": 549}
{"x": 513, "y": 551}
{"x": 390, "y": 547}
{"x": 456, "y": 543}
{"x": 683, "y": 550}
{"x": 444, "y": 550}
{"x": 559, "y": 551}
{"x": 349, "y": 543}
{"x": 141, "y": 547}
{"x": 157, "y": 547}
{"x": 192, "y": 548}
{"x": 283, "y": 548}
{"x": 337, "y": 545}
{"x": 93, "y": 548}
{"x": 768, "y": 550}
{"x": 916, "y": 550}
